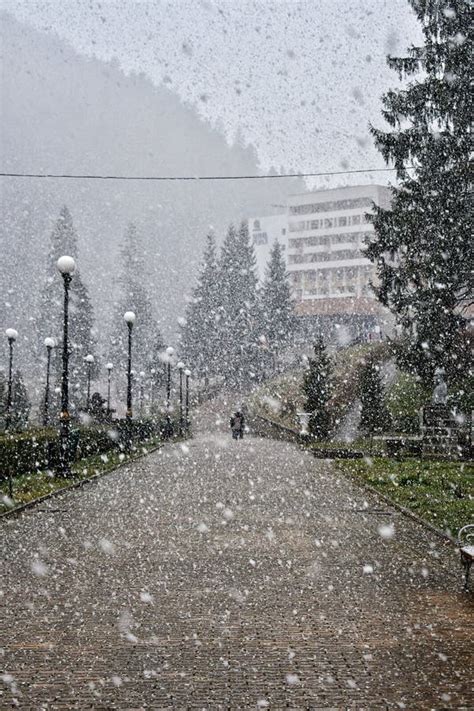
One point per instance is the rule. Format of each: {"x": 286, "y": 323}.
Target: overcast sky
{"x": 301, "y": 79}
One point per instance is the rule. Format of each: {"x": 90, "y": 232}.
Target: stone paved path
{"x": 230, "y": 575}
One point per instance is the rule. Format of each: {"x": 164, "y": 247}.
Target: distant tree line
{"x": 235, "y": 329}
{"x": 134, "y": 296}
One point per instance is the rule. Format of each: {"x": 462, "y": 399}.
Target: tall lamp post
{"x": 49, "y": 343}
{"x": 180, "y": 366}
{"x": 188, "y": 375}
{"x": 152, "y": 391}
{"x": 169, "y": 354}
{"x": 12, "y": 335}
{"x": 66, "y": 266}
{"x": 129, "y": 318}
{"x": 141, "y": 391}
{"x": 89, "y": 359}
{"x": 109, "y": 367}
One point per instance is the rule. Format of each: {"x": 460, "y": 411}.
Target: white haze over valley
{"x": 183, "y": 88}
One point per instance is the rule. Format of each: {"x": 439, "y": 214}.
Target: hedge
{"x": 36, "y": 450}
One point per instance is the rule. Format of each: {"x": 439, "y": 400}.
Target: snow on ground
{"x": 237, "y": 574}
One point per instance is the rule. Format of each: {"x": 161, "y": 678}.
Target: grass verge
{"x": 439, "y": 492}
{"x": 28, "y": 487}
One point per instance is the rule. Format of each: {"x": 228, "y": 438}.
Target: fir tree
{"x": 81, "y": 319}
{"x": 20, "y": 403}
{"x": 135, "y": 297}
{"x": 422, "y": 243}
{"x": 200, "y": 337}
{"x": 374, "y": 415}
{"x": 317, "y": 387}
{"x": 275, "y": 304}
{"x": 238, "y": 338}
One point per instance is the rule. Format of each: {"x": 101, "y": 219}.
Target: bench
{"x": 466, "y": 547}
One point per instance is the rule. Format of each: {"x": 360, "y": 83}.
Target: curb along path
{"x": 219, "y": 574}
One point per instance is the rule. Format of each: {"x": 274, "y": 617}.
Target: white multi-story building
{"x": 263, "y": 233}
{"x": 325, "y": 258}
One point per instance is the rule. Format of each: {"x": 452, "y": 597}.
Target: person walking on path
{"x": 237, "y": 424}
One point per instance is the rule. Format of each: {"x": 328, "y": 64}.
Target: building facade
{"x": 323, "y": 234}
{"x": 327, "y": 231}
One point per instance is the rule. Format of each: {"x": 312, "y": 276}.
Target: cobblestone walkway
{"x": 230, "y": 575}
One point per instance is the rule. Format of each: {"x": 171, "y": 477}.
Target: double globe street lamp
{"x": 66, "y": 266}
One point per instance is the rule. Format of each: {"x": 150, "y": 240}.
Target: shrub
{"x": 35, "y": 450}
{"x": 404, "y": 400}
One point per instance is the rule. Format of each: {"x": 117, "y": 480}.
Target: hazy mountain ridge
{"x": 62, "y": 112}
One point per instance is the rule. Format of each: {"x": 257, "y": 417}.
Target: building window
{"x": 283, "y": 231}
{"x": 342, "y": 221}
{"x": 297, "y": 226}
{"x": 256, "y": 224}
{"x": 260, "y": 238}
{"x": 355, "y": 220}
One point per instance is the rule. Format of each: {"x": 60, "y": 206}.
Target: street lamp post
{"x": 66, "y": 266}
{"x": 181, "y": 423}
{"x": 141, "y": 381}
{"x": 12, "y": 335}
{"x": 169, "y": 354}
{"x": 129, "y": 318}
{"x": 89, "y": 359}
{"x": 188, "y": 375}
{"x": 109, "y": 367}
{"x": 152, "y": 390}
{"x": 49, "y": 343}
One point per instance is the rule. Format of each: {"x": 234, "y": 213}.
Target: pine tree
{"x": 134, "y": 283}
{"x": 422, "y": 243}
{"x": 374, "y": 415}
{"x": 238, "y": 316}
{"x": 317, "y": 387}
{"x": 20, "y": 403}
{"x": 81, "y": 318}
{"x": 276, "y": 320}
{"x": 200, "y": 338}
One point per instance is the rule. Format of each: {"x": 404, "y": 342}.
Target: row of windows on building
{"x": 328, "y": 223}
{"x": 328, "y": 240}
{"x": 337, "y": 256}
{"x": 350, "y": 280}
{"x": 330, "y": 206}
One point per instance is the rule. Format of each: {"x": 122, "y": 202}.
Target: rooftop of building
{"x": 347, "y": 190}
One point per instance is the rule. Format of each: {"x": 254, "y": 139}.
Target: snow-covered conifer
{"x": 135, "y": 282}
{"x": 317, "y": 387}
{"x": 422, "y": 242}
{"x": 276, "y": 310}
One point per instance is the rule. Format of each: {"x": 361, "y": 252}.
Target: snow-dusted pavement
{"x": 230, "y": 575}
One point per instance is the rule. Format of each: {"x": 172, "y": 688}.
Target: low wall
{"x": 268, "y": 428}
